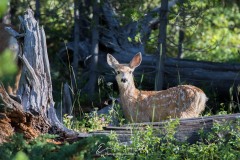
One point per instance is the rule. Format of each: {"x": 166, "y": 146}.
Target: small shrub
{"x": 223, "y": 142}
{"x": 91, "y": 122}
{"x": 41, "y": 149}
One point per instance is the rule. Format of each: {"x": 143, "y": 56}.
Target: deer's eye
{"x": 118, "y": 72}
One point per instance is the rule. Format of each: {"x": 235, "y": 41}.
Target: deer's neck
{"x": 128, "y": 91}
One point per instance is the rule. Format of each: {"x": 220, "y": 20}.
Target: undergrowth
{"x": 223, "y": 142}
{"x": 94, "y": 121}
{"x": 91, "y": 122}
{"x": 146, "y": 142}
{"x": 41, "y": 149}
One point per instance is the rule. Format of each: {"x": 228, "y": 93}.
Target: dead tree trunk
{"x": 32, "y": 111}
{"x": 74, "y": 76}
{"x": 162, "y": 48}
{"x": 91, "y": 85}
{"x": 37, "y": 12}
{"x": 181, "y": 30}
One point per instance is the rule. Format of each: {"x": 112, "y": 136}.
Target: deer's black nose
{"x": 124, "y": 80}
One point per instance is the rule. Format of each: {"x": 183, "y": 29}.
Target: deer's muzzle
{"x": 124, "y": 80}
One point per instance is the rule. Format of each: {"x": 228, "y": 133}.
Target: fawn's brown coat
{"x": 183, "y": 101}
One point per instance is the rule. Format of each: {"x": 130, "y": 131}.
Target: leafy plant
{"x": 3, "y": 7}
{"x": 7, "y": 63}
{"x": 44, "y": 148}
{"x": 146, "y": 142}
{"x": 91, "y": 122}
{"x": 223, "y": 142}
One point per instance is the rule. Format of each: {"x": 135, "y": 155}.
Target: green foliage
{"x": 223, "y": 142}
{"x": 40, "y": 148}
{"x": 210, "y": 30}
{"x": 67, "y": 121}
{"x": 8, "y": 67}
{"x": 56, "y": 17}
{"x": 145, "y": 143}
{"x": 151, "y": 44}
{"x": 93, "y": 121}
{"x": 136, "y": 15}
{"x": 7, "y": 63}
{"x": 86, "y": 122}
{"x": 217, "y": 35}
{"x": 3, "y": 7}
{"x": 133, "y": 10}
{"x": 117, "y": 113}
{"x": 21, "y": 156}
{"x": 97, "y": 122}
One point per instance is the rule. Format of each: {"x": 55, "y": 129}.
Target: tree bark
{"x": 159, "y": 79}
{"x": 32, "y": 111}
{"x": 67, "y": 100}
{"x": 91, "y": 85}
{"x": 37, "y": 12}
{"x": 181, "y": 29}
{"x": 74, "y": 76}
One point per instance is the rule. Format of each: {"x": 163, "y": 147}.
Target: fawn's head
{"x": 124, "y": 72}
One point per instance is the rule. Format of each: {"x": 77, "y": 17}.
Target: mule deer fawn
{"x": 183, "y": 101}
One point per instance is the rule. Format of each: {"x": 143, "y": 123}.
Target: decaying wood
{"x": 6, "y": 129}
{"x": 31, "y": 111}
{"x": 14, "y": 119}
{"x": 186, "y": 131}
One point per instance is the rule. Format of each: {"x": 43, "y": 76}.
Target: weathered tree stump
{"x": 31, "y": 111}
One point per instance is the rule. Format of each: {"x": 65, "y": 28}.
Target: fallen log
{"x": 187, "y": 130}
{"x": 214, "y": 78}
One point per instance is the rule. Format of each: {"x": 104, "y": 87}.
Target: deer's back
{"x": 183, "y": 101}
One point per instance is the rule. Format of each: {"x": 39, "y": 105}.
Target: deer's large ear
{"x": 111, "y": 61}
{"x": 136, "y": 61}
